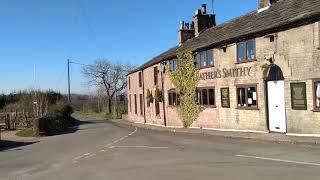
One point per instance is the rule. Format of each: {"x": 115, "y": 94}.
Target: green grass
{"x": 92, "y": 115}
{"x": 26, "y": 133}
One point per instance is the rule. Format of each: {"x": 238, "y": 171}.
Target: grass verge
{"x": 92, "y": 115}
{"x": 25, "y": 133}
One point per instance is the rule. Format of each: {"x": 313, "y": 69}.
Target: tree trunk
{"x": 110, "y": 105}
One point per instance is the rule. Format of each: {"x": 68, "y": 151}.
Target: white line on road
{"x": 147, "y": 147}
{"x": 121, "y": 139}
{"x": 89, "y": 155}
{"x": 279, "y": 160}
{"x": 82, "y": 156}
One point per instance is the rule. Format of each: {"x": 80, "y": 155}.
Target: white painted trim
{"x": 177, "y": 127}
{"x": 303, "y": 135}
{"x": 194, "y": 127}
{"x": 232, "y": 130}
{"x": 138, "y": 122}
{"x": 263, "y": 9}
{"x": 155, "y": 125}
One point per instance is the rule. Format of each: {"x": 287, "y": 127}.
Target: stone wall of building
{"x": 295, "y": 51}
{"x": 299, "y": 57}
{"x": 132, "y": 91}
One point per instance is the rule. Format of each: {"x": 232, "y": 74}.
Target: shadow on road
{"x": 76, "y": 126}
{"x": 6, "y": 145}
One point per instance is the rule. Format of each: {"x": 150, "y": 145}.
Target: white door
{"x": 276, "y": 105}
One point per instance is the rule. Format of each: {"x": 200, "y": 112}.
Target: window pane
{"x": 170, "y": 99}
{"x": 203, "y": 58}
{"x": 241, "y": 92}
{"x": 210, "y": 57}
{"x": 173, "y": 68}
{"x": 198, "y": 96}
{"x": 317, "y": 93}
{"x": 157, "y": 108}
{"x": 211, "y": 97}
{"x": 140, "y": 79}
{"x": 141, "y": 104}
{"x": 204, "y": 97}
{"x": 130, "y": 103}
{"x": 155, "y": 74}
{"x": 174, "y": 99}
{"x": 250, "y": 50}
{"x": 198, "y": 60}
{"x": 252, "y": 96}
{"x": 175, "y": 64}
{"x": 135, "y": 104}
{"x": 240, "y": 52}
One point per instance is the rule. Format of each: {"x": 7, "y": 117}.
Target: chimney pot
{"x": 187, "y": 26}
{"x": 192, "y": 25}
{"x": 204, "y": 9}
{"x": 198, "y": 12}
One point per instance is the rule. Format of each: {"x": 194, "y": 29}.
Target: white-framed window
{"x": 316, "y": 94}
{"x": 206, "y": 96}
{"x": 173, "y": 98}
{"x": 247, "y": 96}
{"x": 204, "y": 59}
{"x": 246, "y": 51}
{"x": 173, "y": 64}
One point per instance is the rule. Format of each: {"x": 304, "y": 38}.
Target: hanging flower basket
{"x": 149, "y": 96}
{"x": 158, "y": 94}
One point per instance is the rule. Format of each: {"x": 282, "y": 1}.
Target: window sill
{"x": 248, "y": 108}
{"x": 316, "y": 110}
{"x": 246, "y": 61}
{"x": 208, "y": 106}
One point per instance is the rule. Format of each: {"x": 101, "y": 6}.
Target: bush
{"x": 58, "y": 119}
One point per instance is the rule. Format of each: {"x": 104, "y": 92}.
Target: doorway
{"x": 276, "y": 100}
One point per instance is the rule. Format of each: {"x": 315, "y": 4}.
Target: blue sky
{"x": 45, "y": 34}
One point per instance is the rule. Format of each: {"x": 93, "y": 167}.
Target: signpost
{"x": 225, "y": 98}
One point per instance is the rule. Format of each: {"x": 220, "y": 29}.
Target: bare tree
{"x": 112, "y": 77}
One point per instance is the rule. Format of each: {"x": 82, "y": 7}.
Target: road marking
{"x": 76, "y": 159}
{"x": 279, "y": 160}
{"x": 89, "y": 155}
{"x": 121, "y": 139}
{"x": 147, "y": 147}
{"x": 133, "y": 132}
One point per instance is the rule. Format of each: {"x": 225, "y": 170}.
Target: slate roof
{"x": 283, "y": 15}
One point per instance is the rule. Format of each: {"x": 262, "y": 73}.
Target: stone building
{"x": 258, "y": 72}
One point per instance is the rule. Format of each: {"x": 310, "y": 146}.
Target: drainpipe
{"x": 144, "y": 103}
{"x": 163, "y": 99}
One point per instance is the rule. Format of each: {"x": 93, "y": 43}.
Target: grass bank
{"x": 89, "y": 115}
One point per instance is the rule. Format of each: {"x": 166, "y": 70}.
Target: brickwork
{"x": 295, "y": 51}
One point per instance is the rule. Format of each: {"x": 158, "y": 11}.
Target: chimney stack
{"x": 204, "y": 9}
{"x": 264, "y": 4}
{"x": 186, "y": 31}
{"x": 203, "y": 21}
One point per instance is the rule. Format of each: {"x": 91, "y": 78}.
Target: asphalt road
{"x": 102, "y": 150}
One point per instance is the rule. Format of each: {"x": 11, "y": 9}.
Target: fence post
{"x": 36, "y": 130}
